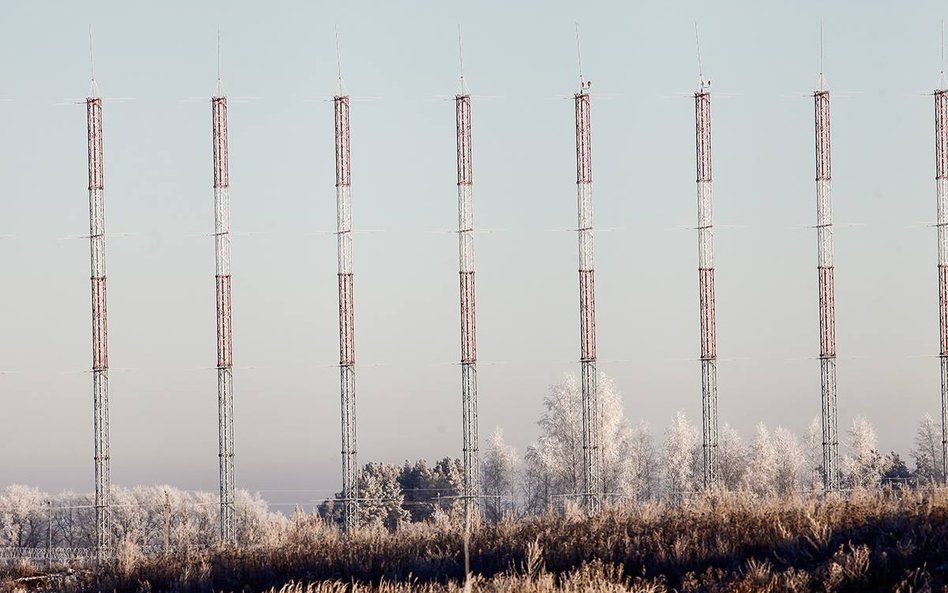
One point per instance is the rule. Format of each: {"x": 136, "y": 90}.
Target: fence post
{"x": 49, "y": 534}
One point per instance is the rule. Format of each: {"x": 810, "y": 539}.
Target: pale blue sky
{"x": 402, "y": 57}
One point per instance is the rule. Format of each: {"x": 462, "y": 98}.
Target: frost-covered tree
{"x": 22, "y": 515}
{"x": 156, "y": 517}
{"x": 557, "y": 456}
{"x": 683, "y": 459}
{"x": 134, "y": 514}
{"x": 732, "y": 459}
{"x": 256, "y": 523}
{"x": 762, "y": 464}
{"x": 928, "y": 452}
{"x": 558, "y": 453}
{"x": 536, "y": 485}
{"x": 498, "y": 475}
{"x": 382, "y": 498}
{"x": 791, "y": 460}
{"x": 643, "y": 470}
{"x": 813, "y": 456}
{"x": 863, "y": 465}
{"x": 429, "y": 489}
{"x": 616, "y": 441}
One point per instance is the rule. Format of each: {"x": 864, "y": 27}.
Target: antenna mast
{"x": 100, "y": 331}
{"x": 593, "y": 488}
{"x": 827, "y": 296}
{"x": 350, "y": 488}
{"x": 709, "y": 369}
{"x": 225, "y": 371}
{"x": 462, "y": 109}
{"x": 941, "y": 185}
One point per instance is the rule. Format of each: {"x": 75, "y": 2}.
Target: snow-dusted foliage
{"x": 788, "y": 476}
{"x": 813, "y": 456}
{"x": 558, "y": 453}
{"x": 22, "y": 521}
{"x": 390, "y": 495}
{"x": 683, "y": 458}
{"x": 381, "y": 497}
{"x": 153, "y": 517}
{"x": 555, "y": 461}
{"x": 928, "y": 452}
{"x": 433, "y": 490}
{"x": 616, "y": 441}
{"x": 732, "y": 459}
{"x": 643, "y": 472}
{"x": 775, "y": 462}
{"x": 863, "y": 465}
{"x": 762, "y": 463}
{"x": 498, "y": 476}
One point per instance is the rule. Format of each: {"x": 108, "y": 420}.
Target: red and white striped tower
{"x": 941, "y": 185}
{"x": 225, "y": 374}
{"x": 824, "y": 227}
{"x": 709, "y": 369}
{"x": 592, "y": 451}
{"x": 462, "y": 109}
{"x": 350, "y": 490}
{"x": 100, "y": 330}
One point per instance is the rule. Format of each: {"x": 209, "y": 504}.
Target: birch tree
{"x": 643, "y": 474}
{"x": 498, "y": 467}
{"x": 682, "y": 458}
{"x": 863, "y": 465}
{"x": 788, "y": 476}
{"x": 928, "y": 452}
{"x": 556, "y": 459}
{"x": 732, "y": 459}
{"x": 762, "y": 464}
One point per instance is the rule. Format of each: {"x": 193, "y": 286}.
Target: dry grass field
{"x": 864, "y": 541}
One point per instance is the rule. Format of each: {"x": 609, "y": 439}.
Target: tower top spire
{"x": 583, "y": 83}
{"x": 340, "y": 85}
{"x": 703, "y": 84}
{"x": 219, "y": 89}
{"x": 93, "y": 87}
{"x": 941, "y": 72}
{"x": 463, "y": 87}
{"x": 822, "y": 80}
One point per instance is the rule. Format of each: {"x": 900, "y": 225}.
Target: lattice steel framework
{"x": 709, "y": 356}
{"x": 100, "y": 331}
{"x": 225, "y": 338}
{"x": 941, "y": 184}
{"x": 593, "y": 487}
{"x": 462, "y": 105}
{"x": 824, "y": 227}
{"x": 350, "y": 487}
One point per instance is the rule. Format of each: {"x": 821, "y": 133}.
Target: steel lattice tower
{"x": 225, "y": 338}
{"x": 592, "y": 451}
{"x": 100, "y": 331}
{"x": 350, "y": 487}
{"x": 709, "y": 368}
{"x": 462, "y": 105}
{"x": 824, "y": 227}
{"x": 941, "y": 184}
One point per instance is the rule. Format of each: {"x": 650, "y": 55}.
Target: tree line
{"x": 774, "y": 462}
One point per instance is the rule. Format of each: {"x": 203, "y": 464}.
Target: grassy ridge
{"x": 867, "y": 541}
